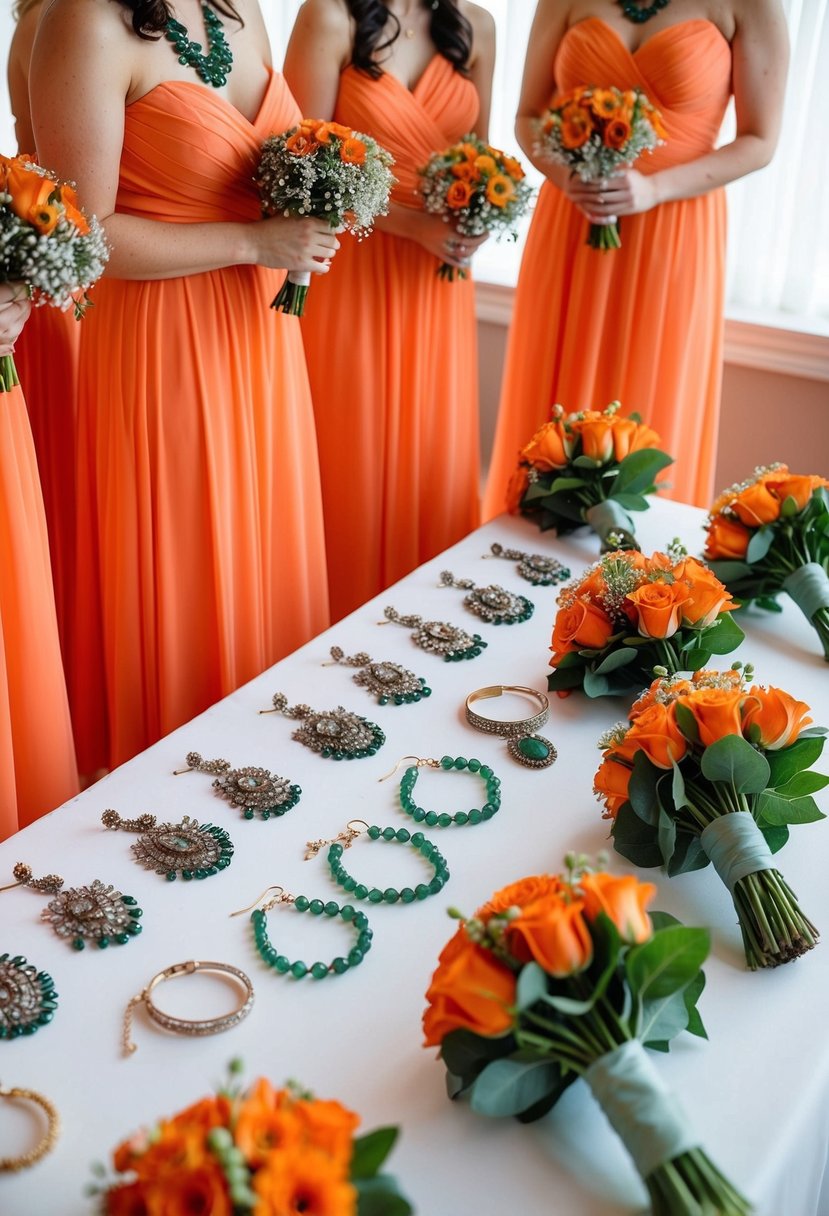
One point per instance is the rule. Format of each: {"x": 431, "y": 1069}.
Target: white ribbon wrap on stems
{"x": 300, "y": 278}
{"x": 809, "y": 588}
{"x": 640, "y": 1108}
{"x": 608, "y": 516}
{"x": 736, "y": 847}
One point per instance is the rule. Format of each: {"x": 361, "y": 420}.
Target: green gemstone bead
{"x": 282, "y": 964}
{"x": 186, "y": 875}
{"x": 315, "y": 907}
{"x": 171, "y": 876}
{"x": 136, "y": 913}
{"x": 388, "y": 833}
{"x": 407, "y": 895}
{"x": 355, "y": 956}
{"x": 403, "y": 835}
{"x": 418, "y": 814}
{"x": 431, "y": 818}
{"x": 422, "y": 891}
{"x": 347, "y": 912}
{"x": 129, "y": 900}
{"x": 248, "y": 814}
{"x": 391, "y": 895}
{"x": 102, "y": 943}
{"x": 331, "y": 908}
{"x": 340, "y": 965}
{"x": 461, "y": 762}
{"x": 375, "y": 896}
{"x": 301, "y": 903}
{"x": 446, "y": 762}
{"x": 417, "y": 839}
{"x": 475, "y": 817}
{"x": 133, "y": 929}
{"x": 444, "y": 821}
{"x": 487, "y": 811}
{"x": 533, "y": 749}
{"x": 474, "y": 765}
{"x": 436, "y": 885}
{"x": 461, "y": 817}
{"x": 122, "y": 938}
{"x": 299, "y": 970}
{"x": 485, "y": 770}
{"x": 349, "y": 883}
{"x": 361, "y": 891}
{"x": 319, "y": 971}
{"x": 374, "y": 832}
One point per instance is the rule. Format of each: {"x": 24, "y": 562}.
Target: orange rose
{"x": 581, "y": 626}
{"x": 305, "y": 1181}
{"x": 330, "y": 1126}
{"x": 778, "y": 715}
{"x": 353, "y": 152}
{"x": 486, "y": 164}
{"x": 500, "y": 189}
{"x": 617, "y": 133}
{"x": 658, "y": 608}
{"x": 521, "y": 894}
{"x": 129, "y": 1200}
{"x": 301, "y": 143}
{"x": 458, "y": 195}
{"x": 800, "y": 488}
{"x": 548, "y": 448}
{"x": 716, "y": 711}
{"x": 611, "y": 784}
{"x": 469, "y": 151}
{"x": 203, "y": 1190}
{"x": 756, "y": 505}
{"x": 576, "y": 127}
{"x": 466, "y": 171}
{"x": 623, "y": 900}
{"x": 514, "y": 168}
{"x": 596, "y": 437}
{"x": 654, "y": 731}
{"x": 470, "y": 990}
{"x": 708, "y": 596}
{"x": 261, "y": 1129}
{"x": 630, "y": 436}
{"x": 604, "y": 103}
{"x": 516, "y": 489}
{"x": 726, "y": 539}
{"x": 30, "y": 193}
{"x": 552, "y": 932}
{"x": 72, "y": 211}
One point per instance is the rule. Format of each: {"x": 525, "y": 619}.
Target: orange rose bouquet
{"x": 595, "y": 132}
{"x": 561, "y": 977}
{"x": 265, "y": 1151}
{"x": 717, "y": 769}
{"x": 477, "y": 190}
{"x": 628, "y": 614}
{"x": 47, "y": 243}
{"x": 592, "y": 468}
{"x": 325, "y": 171}
{"x": 771, "y": 534}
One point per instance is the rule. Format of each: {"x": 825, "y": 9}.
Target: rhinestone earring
{"x": 448, "y": 641}
{"x": 194, "y": 850}
{"x": 492, "y": 604}
{"x": 252, "y": 790}
{"x": 336, "y": 734}
{"x": 27, "y": 997}
{"x": 386, "y": 681}
{"x": 96, "y": 913}
{"x": 536, "y": 569}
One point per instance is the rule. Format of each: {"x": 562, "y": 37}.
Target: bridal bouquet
{"x": 328, "y": 172}
{"x": 557, "y": 978}
{"x": 596, "y": 132}
{"x": 47, "y": 243}
{"x": 477, "y": 190}
{"x": 271, "y": 1152}
{"x": 710, "y": 769}
{"x": 629, "y": 613}
{"x": 591, "y": 468}
{"x": 769, "y": 534}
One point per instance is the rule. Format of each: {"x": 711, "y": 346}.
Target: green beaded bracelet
{"x": 390, "y": 895}
{"x": 318, "y": 970}
{"x": 431, "y": 818}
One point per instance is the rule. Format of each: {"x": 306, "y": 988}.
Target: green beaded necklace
{"x": 319, "y": 970}
{"x": 638, "y": 14}
{"x": 214, "y": 67}
{"x": 375, "y": 895}
{"x": 431, "y": 818}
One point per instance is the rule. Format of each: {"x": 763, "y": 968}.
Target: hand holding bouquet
{"x": 712, "y": 769}
{"x": 322, "y": 170}
{"x": 629, "y": 613}
{"x": 49, "y": 245}
{"x": 770, "y": 534}
{"x": 477, "y": 189}
{"x": 596, "y": 132}
{"x": 557, "y": 978}
{"x": 589, "y": 468}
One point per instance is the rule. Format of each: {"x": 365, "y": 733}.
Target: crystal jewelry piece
{"x": 195, "y": 850}
{"x": 437, "y": 637}
{"x": 337, "y": 734}
{"x": 185, "y": 1025}
{"x": 251, "y": 789}
{"x": 523, "y": 744}
{"x": 536, "y": 569}
{"x": 374, "y": 895}
{"x": 27, "y": 997}
{"x": 492, "y": 604}
{"x": 641, "y": 13}
{"x": 214, "y": 67}
{"x": 432, "y": 818}
{"x": 97, "y": 912}
{"x": 10, "y": 1165}
{"x": 318, "y": 971}
{"x": 385, "y": 681}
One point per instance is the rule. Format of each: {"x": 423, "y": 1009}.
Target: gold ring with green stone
{"x": 524, "y": 745}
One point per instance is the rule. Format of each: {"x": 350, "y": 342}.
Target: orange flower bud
{"x": 708, "y": 597}
{"x": 596, "y": 437}
{"x": 611, "y": 784}
{"x": 658, "y": 608}
{"x": 581, "y": 626}
{"x": 756, "y": 505}
{"x": 779, "y": 716}
{"x": 458, "y": 195}
{"x": 800, "y": 488}
{"x": 716, "y": 711}
{"x": 726, "y": 539}
{"x": 624, "y": 900}
{"x": 549, "y": 447}
{"x": 655, "y": 732}
{"x": 552, "y": 932}
{"x": 470, "y": 990}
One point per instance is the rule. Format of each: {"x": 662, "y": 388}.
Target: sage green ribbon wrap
{"x": 608, "y": 516}
{"x": 640, "y": 1108}
{"x": 736, "y": 847}
{"x": 809, "y": 588}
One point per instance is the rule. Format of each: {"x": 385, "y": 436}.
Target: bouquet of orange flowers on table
{"x": 264, "y": 1151}
{"x": 557, "y": 978}
{"x": 591, "y": 468}
{"x": 710, "y": 769}
{"x": 596, "y": 132}
{"x": 477, "y": 189}
{"x": 628, "y": 614}
{"x": 47, "y": 243}
{"x": 324, "y": 171}
{"x": 769, "y": 534}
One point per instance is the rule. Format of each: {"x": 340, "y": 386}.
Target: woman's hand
{"x": 437, "y": 237}
{"x": 625, "y": 193}
{"x": 14, "y": 311}
{"x": 294, "y": 244}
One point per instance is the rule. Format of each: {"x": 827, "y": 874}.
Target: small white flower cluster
{"x": 479, "y": 216}
{"x": 56, "y": 267}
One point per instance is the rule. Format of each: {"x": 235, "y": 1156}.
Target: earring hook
{"x": 403, "y": 760}
{"x": 277, "y": 888}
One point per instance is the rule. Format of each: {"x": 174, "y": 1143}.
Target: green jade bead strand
{"x": 431, "y": 818}
{"x": 319, "y": 970}
{"x": 214, "y": 67}
{"x": 391, "y": 895}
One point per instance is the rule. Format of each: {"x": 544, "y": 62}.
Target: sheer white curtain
{"x": 279, "y": 18}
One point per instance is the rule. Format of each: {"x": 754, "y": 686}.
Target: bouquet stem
{"x": 691, "y": 1185}
{"x": 821, "y": 623}
{"x": 8, "y": 374}
{"x": 774, "y": 929}
{"x": 808, "y": 586}
{"x": 604, "y": 236}
{"x": 291, "y": 295}
{"x": 450, "y": 273}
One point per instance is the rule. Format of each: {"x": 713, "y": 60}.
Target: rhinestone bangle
{"x": 24, "y": 1160}
{"x": 188, "y": 1026}
{"x": 514, "y": 726}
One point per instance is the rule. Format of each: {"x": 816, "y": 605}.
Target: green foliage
{"x": 371, "y": 1150}
{"x": 508, "y": 1087}
{"x": 733, "y": 761}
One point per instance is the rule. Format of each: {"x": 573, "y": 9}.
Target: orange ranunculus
{"x": 334, "y": 128}
{"x": 500, "y": 189}
{"x": 72, "y": 211}
{"x": 466, "y": 171}
{"x": 516, "y": 489}
{"x": 727, "y": 538}
{"x": 708, "y": 596}
{"x": 799, "y": 487}
{"x": 611, "y": 784}
{"x": 129, "y": 1200}
{"x": 514, "y": 168}
{"x": 654, "y": 731}
{"x": 174, "y": 1149}
{"x": 617, "y": 133}
{"x": 779, "y": 716}
{"x": 486, "y": 164}
{"x": 308, "y": 1181}
{"x": 716, "y": 711}
{"x": 521, "y": 894}
{"x": 204, "y": 1114}
{"x": 549, "y": 448}
{"x": 581, "y": 626}
{"x": 330, "y": 1126}
{"x": 203, "y": 1189}
{"x": 624, "y": 900}
{"x": 551, "y": 931}
{"x": 458, "y": 195}
{"x": 658, "y": 607}
{"x": 353, "y": 152}
{"x": 596, "y": 437}
{"x": 756, "y": 505}
{"x": 302, "y": 143}
{"x": 260, "y": 1129}
{"x": 470, "y": 990}
{"x": 30, "y": 192}
{"x": 576, "y": 127}
{"x": 469, "y": 151}
{"x": 604, "y": 102}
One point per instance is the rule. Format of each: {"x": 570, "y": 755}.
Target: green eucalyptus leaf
{"x": 531, "y": 986}
{"x": 586, "y": 462}
{"x": 371, "y": 1150}
{"x": 564, "y": 678}
{"x": 616, "y": 659}
{"x": 455, "y": 1085}
{"x": 688, "y": 855}
{"x": 508, "y": 1087}
{"x": 465, "y": 1053}
{"x": 774, "y": 810}
{"x": 776, "y": 835}
{"x": 666, "y": 835}
{"x": 722, "y": 637}
{"x": 729, "y": 572}
{"x": 631, "y": 502}
{"x": 691, "y": 995}
{"x": 768, "y": 604}
{"x": 802, "y": 783}
{"x": 663, "y": 920}
{"x": 638, "y": 470}
{"x": 734, "y": 761}
{"x": 642, "y": 788}
{"x": 540, "y": 1109}
{"x": 635, "y": 839}
{"x": 567, "y": 483}
{"x": 786, "y": 762}
{"x": 595, "y": 685}
{"x": 569, "y": 1005}
{"x": 667, "y": 963}
{"x": 379, "y": 1196}
{"x": 663, "y": 1018}
{"x": 694, "y": 660}
{"x": 678, "y": 787}
{"x": 760, "y": 544}
{"x": 686, "y": 722}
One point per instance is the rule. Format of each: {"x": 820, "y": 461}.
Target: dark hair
{"x": 377, "y": 29}
{"x": 149, "y": 17}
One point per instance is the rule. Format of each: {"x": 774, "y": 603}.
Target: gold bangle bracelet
{"x": 187, "y": 1026}
{"x": 523, "y": 744}
{"x": 11, "y": 1164}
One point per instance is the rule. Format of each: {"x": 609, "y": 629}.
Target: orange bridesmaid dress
{"x": 37, "y": 758}
{"x": 200, "y": 537}
{"x": 392, "y": 357}
{"x": 642, "y": 324}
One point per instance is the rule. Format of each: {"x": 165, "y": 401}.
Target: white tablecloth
{"x": 758, "y": 1090}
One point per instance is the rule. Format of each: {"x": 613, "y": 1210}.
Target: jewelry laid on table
{"x": 336, "y": 734}
{"x": 523, "y": 744}
{"x": 437, "y": 637}
{"x": 640, "y": 13}
{"x": 318, "y": 971}
{"x": 188, "y": 1026}
{"x": 215, "y": 66}
{"x": 534, "y": 567}
{"x": 253, "y": 790}
{"x": 192, "y": 849}
{"x": 492, "y": 604}
{"x": 447, "y": 763}
{"x": 384, "y": 680}
{"x": 95, "y": 913}
{"x": 10, "y": 1165}
{"x": 27, "y": 997}
{"x": 374, "y": 895}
